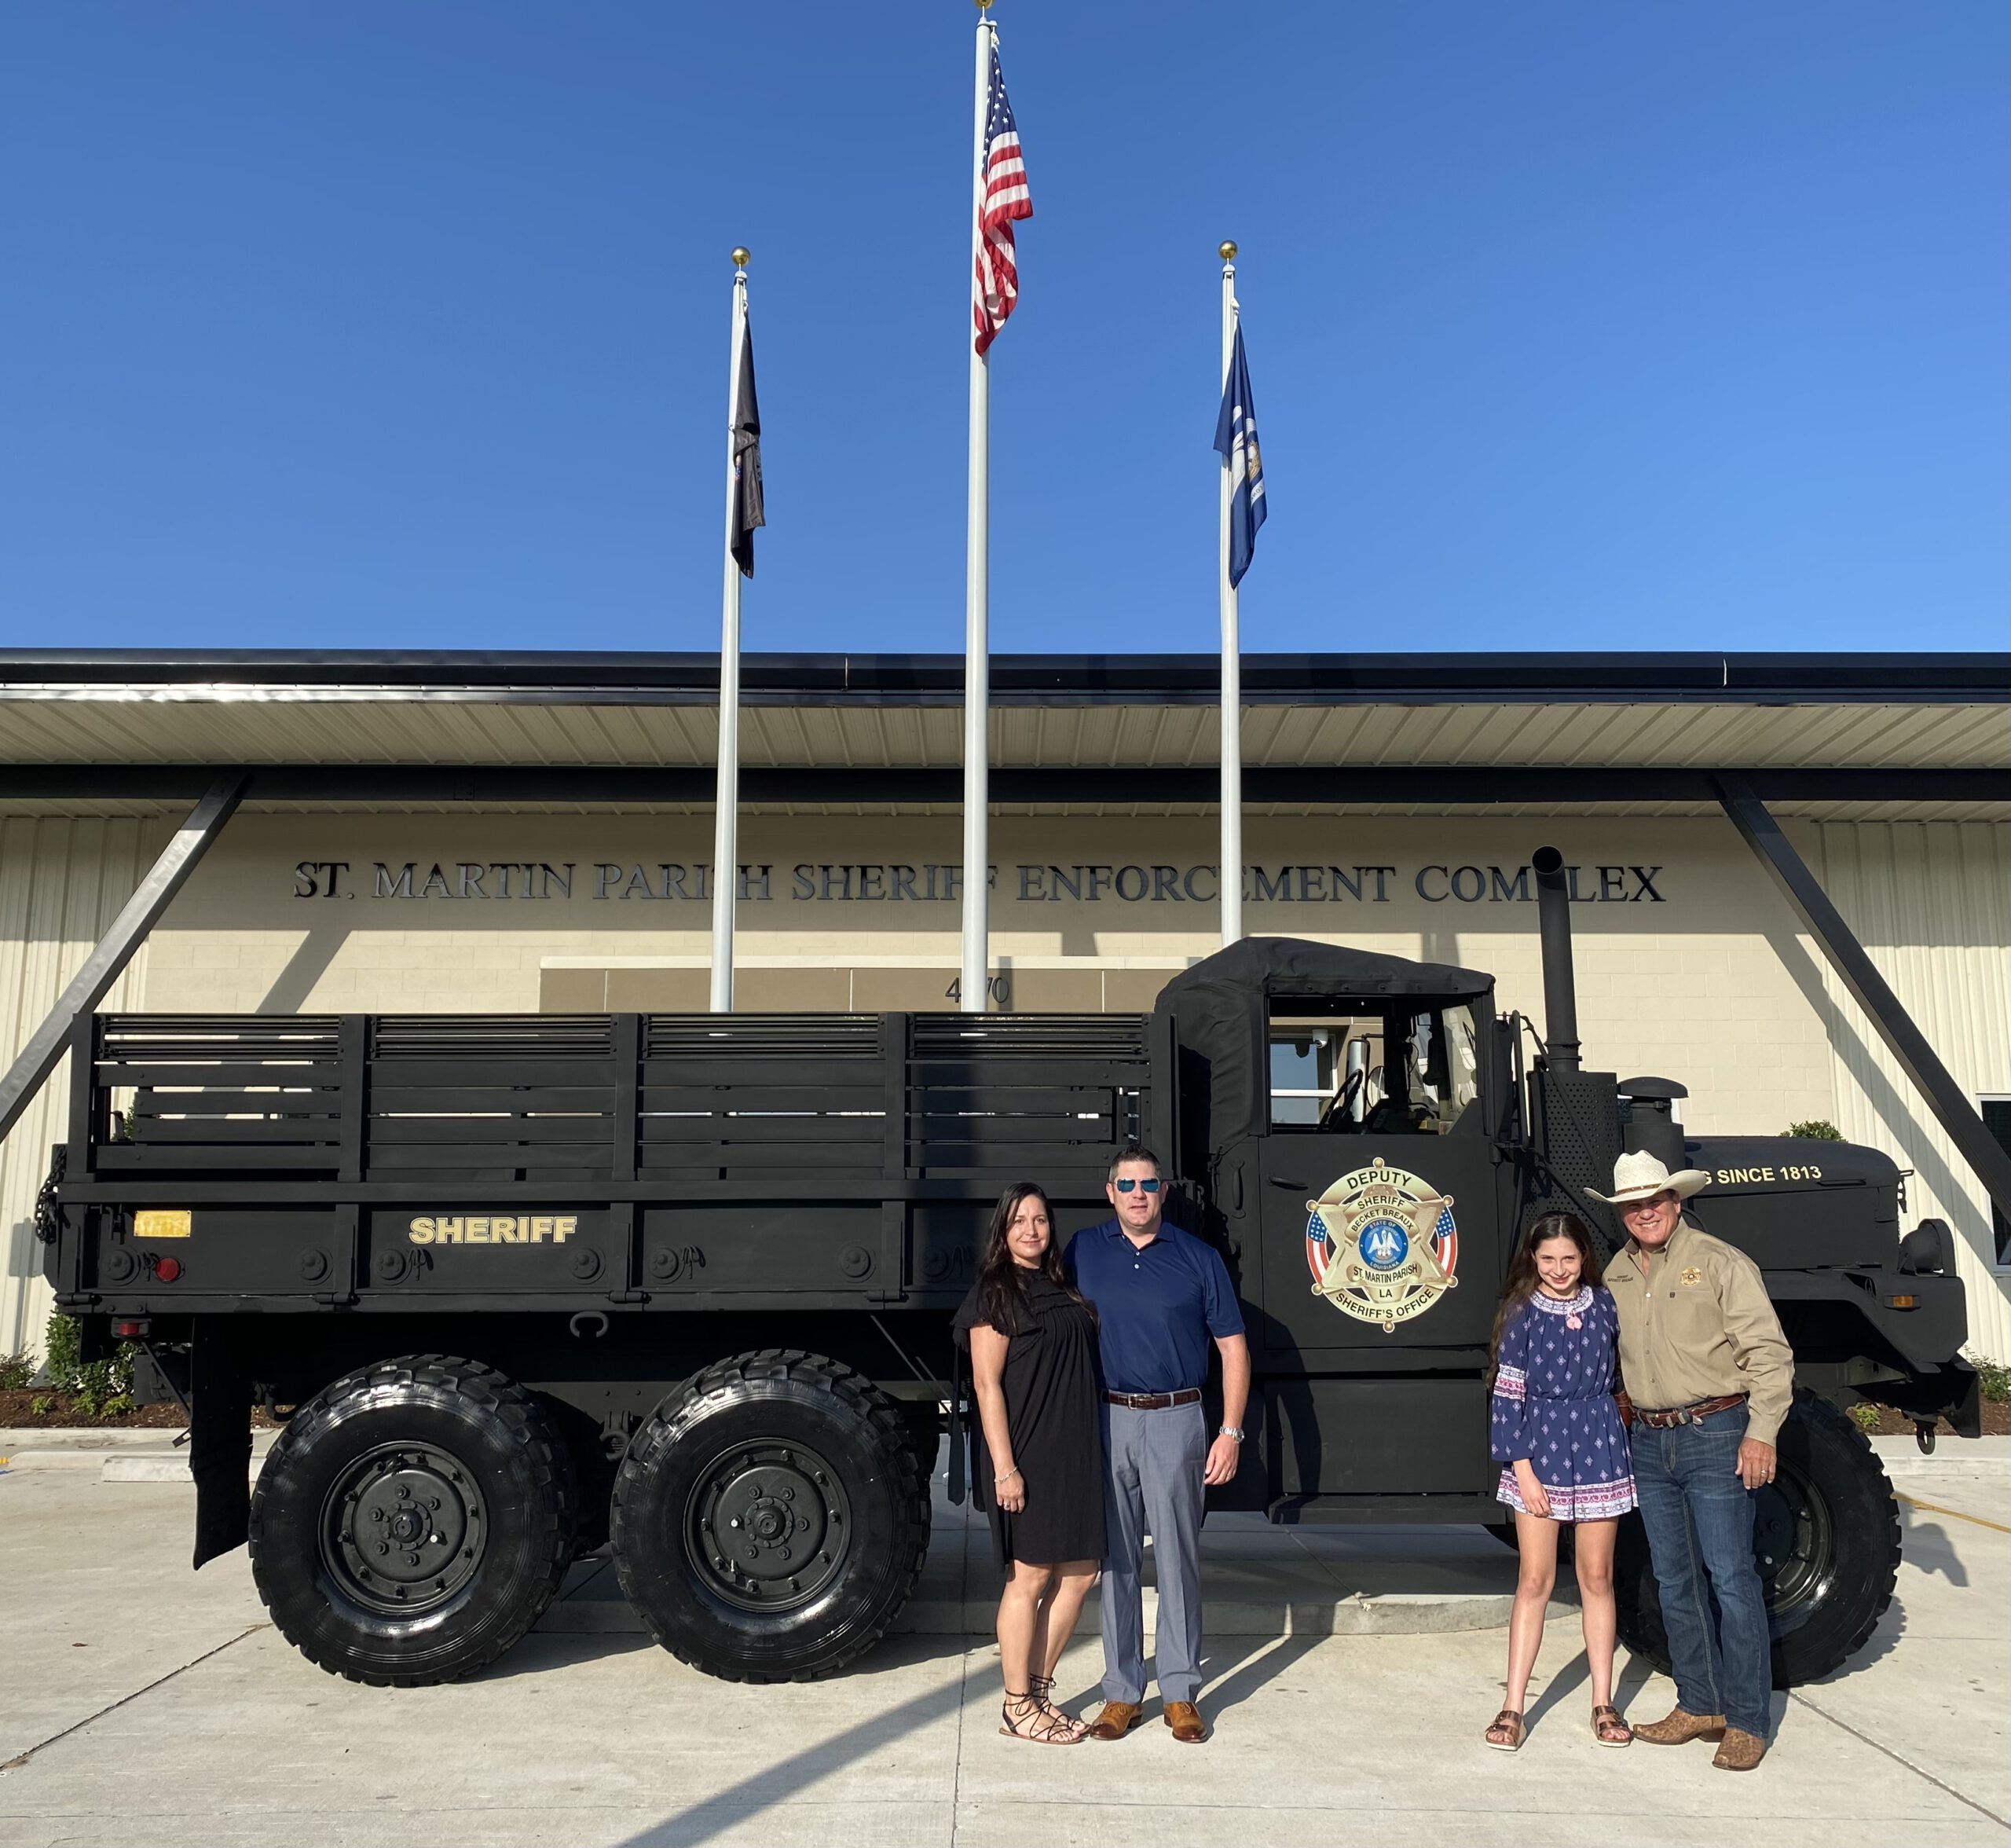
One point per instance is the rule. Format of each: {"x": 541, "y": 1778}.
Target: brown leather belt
{"x": 1689, "y": 1414}
{"x": 1154, "y": 1402}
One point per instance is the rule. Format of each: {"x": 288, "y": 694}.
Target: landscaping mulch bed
{"x": 18, "y": 1413}
{"x": 1996, "y": 1422}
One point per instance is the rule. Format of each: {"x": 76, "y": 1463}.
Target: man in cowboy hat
{"x": 1710, "y": 1376}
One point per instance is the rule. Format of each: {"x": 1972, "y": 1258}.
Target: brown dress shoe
{"x": 1185, "y": 1717}
{"x": 1117, "y": 1718}
{"x": 1680, "y": 1727}
{"x": 1741, "y": 1751}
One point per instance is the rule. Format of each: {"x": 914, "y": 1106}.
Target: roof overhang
{"x": 1891, "y": 734}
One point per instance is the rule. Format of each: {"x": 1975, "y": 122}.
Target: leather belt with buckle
{"x": 1689, "y": 1414}
{"x": 1154, "y": 1402}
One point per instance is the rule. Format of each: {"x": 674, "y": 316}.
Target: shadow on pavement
{"x": 778, "y": 1784}
{"x": 1929, "y": 1548}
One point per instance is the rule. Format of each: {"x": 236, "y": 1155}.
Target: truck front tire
{"x": 1826, "y": 1540}
{"x": 412, "y": 1521}
{"x": 770, "y": 1518}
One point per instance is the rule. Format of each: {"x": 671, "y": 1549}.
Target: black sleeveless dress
{"x": 1053, "y": 1403}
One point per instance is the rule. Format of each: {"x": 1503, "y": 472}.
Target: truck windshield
{"x": 1352, "y": 1069}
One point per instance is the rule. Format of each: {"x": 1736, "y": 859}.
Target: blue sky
{"x": 1571, "y": 326}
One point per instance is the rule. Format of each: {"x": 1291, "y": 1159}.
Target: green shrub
{"x": 103, "y": 1388}
{"x": 16, "y": 1371}
{"x": 1815, "y": 1130}
{"x": 1996, "y": 1380}
{"x": 1865, "y": 1416}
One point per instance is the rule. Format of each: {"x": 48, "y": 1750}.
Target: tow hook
{"x": 1924, "y": 1435}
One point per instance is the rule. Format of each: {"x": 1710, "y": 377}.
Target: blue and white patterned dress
{"x": 1553, "y": 1403}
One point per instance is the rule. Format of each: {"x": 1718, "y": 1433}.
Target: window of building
{"x": 1997, "y": 1120}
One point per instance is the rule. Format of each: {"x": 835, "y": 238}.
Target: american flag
{"x": 996, "y": 284}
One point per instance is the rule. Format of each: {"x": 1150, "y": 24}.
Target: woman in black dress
{"x": 1039, "y": 1471}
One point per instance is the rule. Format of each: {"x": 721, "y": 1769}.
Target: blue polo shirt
{"x": 1157, "y": 1308}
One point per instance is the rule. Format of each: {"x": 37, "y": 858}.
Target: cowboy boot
{"x": 1680, "y": 1727}
{"x": 1742, "y": 1750}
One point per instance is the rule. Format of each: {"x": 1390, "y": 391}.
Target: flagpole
{"x": 975, "y": 983}
{"x": 1231, "y": 880}
{"x": 726, "y": 824}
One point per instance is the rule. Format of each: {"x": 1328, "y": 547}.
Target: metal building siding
{"x": 61, "y": 884}
{"x": 1931, "y": 901}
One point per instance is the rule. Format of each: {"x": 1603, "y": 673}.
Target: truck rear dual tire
{"x": 413, "y": 1521}
{"x": 770, "y": 1518}
{"x": 1827, "y": 1539}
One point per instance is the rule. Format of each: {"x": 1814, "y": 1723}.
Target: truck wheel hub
{"x": 1794, "y": 1544}
{"x": 769, "y": 1525}
{"x": 403, "y": 1529}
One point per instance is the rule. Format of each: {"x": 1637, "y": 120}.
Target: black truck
{"x": 701, "y": 1270}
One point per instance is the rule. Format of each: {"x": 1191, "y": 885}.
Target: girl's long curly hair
{"x": 1521, "y": 1281}
{"x": 1002, "y": 1283}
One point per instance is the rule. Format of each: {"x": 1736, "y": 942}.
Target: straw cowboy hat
{"x": 1641, "y": 1176}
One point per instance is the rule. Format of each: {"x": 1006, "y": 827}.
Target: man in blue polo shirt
{"x": 1160, "y": 1296}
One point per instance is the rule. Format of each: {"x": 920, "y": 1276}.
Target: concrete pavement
{"x": 142, "y": 1702}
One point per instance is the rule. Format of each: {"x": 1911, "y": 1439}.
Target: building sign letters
{"x": 933, "y": 882}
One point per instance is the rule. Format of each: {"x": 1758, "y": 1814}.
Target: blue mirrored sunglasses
{"x": 1150, "y": 1186}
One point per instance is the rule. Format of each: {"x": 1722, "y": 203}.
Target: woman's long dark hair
{"x": 1522, "y": 1280}
{"x": 1001, "y": 1284}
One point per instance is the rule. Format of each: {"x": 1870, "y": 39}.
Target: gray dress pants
{"x": 1153, "y": 1466}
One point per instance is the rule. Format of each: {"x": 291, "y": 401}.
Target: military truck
{"x": 521, "y": 1286}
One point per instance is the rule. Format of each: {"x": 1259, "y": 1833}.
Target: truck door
{"x": 1376, "y": 1200}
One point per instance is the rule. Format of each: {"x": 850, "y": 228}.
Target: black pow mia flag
{"x": 747, "y": 514}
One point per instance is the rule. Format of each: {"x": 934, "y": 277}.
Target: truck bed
{"x": 441, "y": 1161}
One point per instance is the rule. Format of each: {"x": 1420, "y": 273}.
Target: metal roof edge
{"x": 1665, "y": 678}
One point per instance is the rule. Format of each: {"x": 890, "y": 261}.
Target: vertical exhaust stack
{"x": 1560, "y": 988}
{"x": 1574, "y": 1114}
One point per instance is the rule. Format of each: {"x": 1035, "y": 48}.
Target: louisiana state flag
{"x": 1235, "y": 441}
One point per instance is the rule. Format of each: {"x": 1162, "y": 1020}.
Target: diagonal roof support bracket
{"x": 1952, "y": 1106}
{"x": 103, "y": 966}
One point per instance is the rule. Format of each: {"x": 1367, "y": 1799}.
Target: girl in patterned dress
{"x": 1556, "y": 1430}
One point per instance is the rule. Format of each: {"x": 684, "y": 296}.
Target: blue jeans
{"x": 1699, "y": 1518}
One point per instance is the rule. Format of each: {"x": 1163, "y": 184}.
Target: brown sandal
{"x": 1606, "y": 1723}
{"x": 1508, "y": 1722}
{"x": 1036, "y": 1724}
{"x": 1038, "y": 1689}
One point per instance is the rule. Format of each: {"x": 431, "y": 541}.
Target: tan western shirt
{"x": 1696, "y": 1324}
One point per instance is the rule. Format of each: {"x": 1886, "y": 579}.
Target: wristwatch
{"x": 1234, "y": 1431}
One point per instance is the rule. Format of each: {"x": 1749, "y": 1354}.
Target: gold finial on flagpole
{"x": 984, "y": 7}
{"x": 1229, "y": 251}
{"x": 741, "y": 254}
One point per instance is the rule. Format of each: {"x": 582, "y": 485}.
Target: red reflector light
{"x": 168, "y": 1269}
{"x": 129, "y": 1331}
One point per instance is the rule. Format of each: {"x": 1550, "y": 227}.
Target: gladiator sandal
{"x": 1021, "y": 1716}
{"x": 1039, "y": 1688}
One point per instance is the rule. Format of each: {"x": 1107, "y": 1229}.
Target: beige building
{"x": 461, "y": 833}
